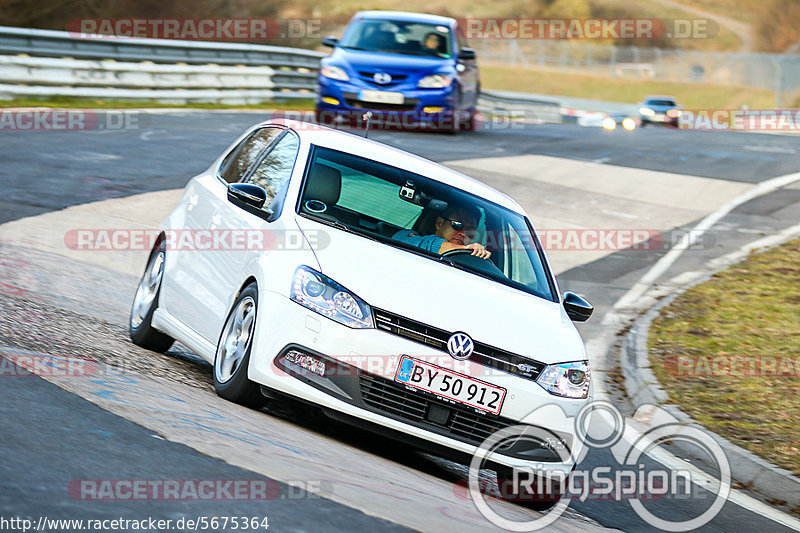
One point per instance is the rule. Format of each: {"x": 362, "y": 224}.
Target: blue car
{"x": 410, "y": 70}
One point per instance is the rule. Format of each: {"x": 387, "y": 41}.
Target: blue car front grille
{"x": 368, "y": 76}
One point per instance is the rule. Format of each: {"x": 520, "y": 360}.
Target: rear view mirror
{"x": 578, "y": 309}
{"x": 330, "y": 41}
{"x": 466, "y": 54}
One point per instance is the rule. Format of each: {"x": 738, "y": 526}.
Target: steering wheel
{"x": 459, "y": 251}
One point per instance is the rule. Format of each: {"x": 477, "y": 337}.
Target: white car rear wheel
{"x": 145, "y": 303}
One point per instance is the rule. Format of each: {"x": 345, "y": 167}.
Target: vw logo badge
{"x": 460, "y": 346}
{"x": 382, "y": 78}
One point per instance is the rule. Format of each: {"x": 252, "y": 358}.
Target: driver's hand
{"x": 479, "y": 250}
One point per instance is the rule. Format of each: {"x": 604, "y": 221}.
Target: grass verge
{"x": 728, "y": 353}
{"x": 690, "y": 95}
{"x": 744, "y": 10}
{"x": 86, "y": 103}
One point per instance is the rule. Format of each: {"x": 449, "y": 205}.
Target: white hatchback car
{"x": 306, "y": 262}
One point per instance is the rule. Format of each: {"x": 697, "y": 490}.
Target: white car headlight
{"x": 322, "y": 295}
{"x": 334, "y": 73}
{"x": 646, "y": 111}
{"x": 570, "y": 380}
{"x": 435, "y": 81}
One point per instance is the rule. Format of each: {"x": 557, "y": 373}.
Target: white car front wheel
{"x": 233, "y": 352}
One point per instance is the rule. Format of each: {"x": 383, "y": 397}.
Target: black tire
{"x": 469, "y": 123}
{"x": 230, "y": 369}
{"x": 145, "y": 302}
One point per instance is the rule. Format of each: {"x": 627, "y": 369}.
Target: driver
{"x": 453, "y": 229}
{"x": 432, "y": 42}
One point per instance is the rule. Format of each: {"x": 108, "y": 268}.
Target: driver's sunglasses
{"x": 458, "y": 225}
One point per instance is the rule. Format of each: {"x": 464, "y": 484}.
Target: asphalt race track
{"x": 150, "y": 416}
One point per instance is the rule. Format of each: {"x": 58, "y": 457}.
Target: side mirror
{"x": 330, "y": 41}
{"x": 466, "y": 54}
{"x": 249, "y": 197}
{"x": 578, "y": 309}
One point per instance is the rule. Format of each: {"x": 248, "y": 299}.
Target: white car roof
{"x": 358, "y": 145}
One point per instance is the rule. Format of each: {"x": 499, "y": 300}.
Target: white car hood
{"x": 445, "y": 297}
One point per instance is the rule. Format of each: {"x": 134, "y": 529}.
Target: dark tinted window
{"x": 661, "y": 102}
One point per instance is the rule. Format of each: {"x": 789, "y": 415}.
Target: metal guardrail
{"x": 519, "y": 105}
{"x": 44, "y": 63}
{"x": 64, "y": 44}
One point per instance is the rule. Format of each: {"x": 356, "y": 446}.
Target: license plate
{"x": 381, "y": 97}
{"x": 450, "y": 385}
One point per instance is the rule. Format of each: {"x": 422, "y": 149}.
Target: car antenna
{"x": 366, "y": 116}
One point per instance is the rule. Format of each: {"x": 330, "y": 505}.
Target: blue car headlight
{"x": 322, "y": 295}
{"x": 334, "y": 73}
{"x": 570, "y": 380}
{"x": 435, "y": 81}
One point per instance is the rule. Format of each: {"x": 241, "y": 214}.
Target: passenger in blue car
{"x": 452, "y": 230}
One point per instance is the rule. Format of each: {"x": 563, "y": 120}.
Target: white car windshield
{"x": 405, "y": 210}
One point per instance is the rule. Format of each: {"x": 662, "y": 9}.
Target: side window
{"x": 273, "y": 171}
{"x": 235, "y": 166}
{"x": 519, "y": 266}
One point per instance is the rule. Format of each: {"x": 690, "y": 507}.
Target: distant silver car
{"x": 659, "y": 110}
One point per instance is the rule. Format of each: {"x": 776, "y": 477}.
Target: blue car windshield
{"x": 664, "y": 103}
{"x": 398, "y": 37}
